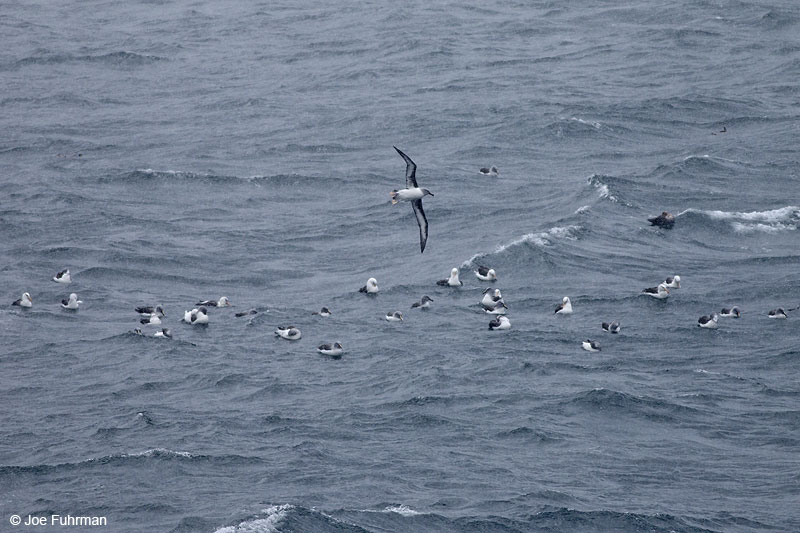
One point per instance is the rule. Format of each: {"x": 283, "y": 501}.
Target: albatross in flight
{"x": 414, "y": 194}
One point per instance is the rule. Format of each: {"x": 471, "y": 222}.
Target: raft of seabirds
{"x": 492, "y": 302}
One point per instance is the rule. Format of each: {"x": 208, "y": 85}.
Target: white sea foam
{"x": 404, "y": 510}
{"x": 543, "y": 238}
{"x": 770, "y": 221}
{"x": 267, "y": 524}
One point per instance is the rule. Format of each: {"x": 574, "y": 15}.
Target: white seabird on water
{"x": 775, "y": 313}
{"x": 611, "y": 327}
{"x": 25, "y": 301}
{"x": 500, "y": 323}
{"x": 486, "y": 274}
{"x": 491, "y": 299}
{"x": 492, "y": 171}
{"x": 413, "y": 194}
{"x": 673, "y": 282}
{"x": 590, "y": 346}
{"x": 332, "y": 350}
{"x": 196, "y": 317}
{"x": 325, "y": 312}
{"x": 708, "y": 321}
{"x": 499, "y": 309}
{"x": 397, "y": 316}
{"x": 165, "y": 332}
{"x": 452, "y": 281}
{"x": 153, "y": 319}
{"x": 73, "y": 302}
{"x": 150, "y": 310}
{"x": 733, "y": 312}
{"x": 565, "y": 307}
{"x": 63, "y": 277}
{"x": 371, "y": 287}
{"x": 659, "y": 292}
{"x": 222, "y": 302}
{"x": 290, "y": 333}
{"x": 424, "y": 303}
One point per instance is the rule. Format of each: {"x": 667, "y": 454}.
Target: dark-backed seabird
{"x": 63, "y": 277}
{"x": 222, "y": 302}
{"x": 501, "y": 322}
{"x": 73, "y": 302}
{"x": 332, "y": 350}
{"x": 413, "y": 194}
{"x": 371, "y": 287}
{"x": 324, "y": 312}
{"x": 290, "y": 333}
{"x": 196, "y": 317}
{"x": 150, "y": 310}
{"x": 489, "y": 171}
{"x": 246, "y": 313}
{"x": 775, "y": 313}
{"x": 452, "y": 281}
{"x": 590, "y": 346}
{"x": 424, "y": 303}
{"x": 490, "y": 299}
{"x": 153, "y": 320}
{"x": 25, "y": 301}
{"x": 137, "y": 331}
{"x": 486, "y": 274}
{"x": 664, "y": 220}
{"x": 708, "y": 321}
{"x": 565, "y": 308}
{"x": 611, "y": 327}
{"x": 673, "y": 282}
{"x": 396, "y": 316}
{"x": 659, "y": 292}
{"x": 165, "y": 332}
{"x": 499, "y": 309}
{"x": 733, "y": 312}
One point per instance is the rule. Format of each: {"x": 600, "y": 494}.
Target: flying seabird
{"x": 222, "y": 302}
{"x": 612, "y": 327}
{"x": 72, "y": 303}
{"x": 659, "y": 292}
{"x": 708, "y": 321}
{"x": 165, "y": 332}
{"x": 397, "y": 316}
{"x": 453, "y": 281}
{"x": 501, "y": 322}
{"x": 673, "y": 282}
{"x": 486, "y": 274}
{"x": 246, "y": 313}
{"x": 664, "y": 220}
{"x": 63, "y": 277}
{"x": 499, "y": 309}
{"x": 332, "y": 350}
{"x": 489, "y": 171}
{"x": 324, "y": 312}
{"x": 414, "y": 194}
{"x": 371, "y": 287}
{"x": 25, "y": 301}
{"x": 732, "y": 312}
{"x": 590, "y": 346}
{"x": 775, "y": 313}
{"x": 290, "y": 333}
{"x": 424, "y": 303}
{"x": 565, "y": 308}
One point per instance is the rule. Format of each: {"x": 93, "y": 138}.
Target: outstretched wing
{"x": 422, "y": 221}
{"x": 411, "y": 170}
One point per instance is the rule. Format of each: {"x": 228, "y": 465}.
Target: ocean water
{"x": 167, "y": 152}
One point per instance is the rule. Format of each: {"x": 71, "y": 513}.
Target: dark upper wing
{"x": 650, "y": 290}
{"x": 411, "y": 170}
{"x": 422, "y": 221}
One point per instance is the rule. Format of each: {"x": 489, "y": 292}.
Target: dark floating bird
{"x": 489, "y": 171}
{"x": 331, "y": 350}
{"x": 246, "y": 313}
{"x": 708, "y": 321}
{"x": 413, "y": 194}
{"x": 733, "y": 312}
{"x": 149, "y": 310}
{"x": 222, "y": 302}
{"x": 777, "y": 313}
{"x": 424, "y": 303}
{"x": 500, "y": 323}
{"x": 612, "y": 327}
{"x": 324, "y": 312}
{"x": 590, "y": 346}
{"x": 664, "y": 220}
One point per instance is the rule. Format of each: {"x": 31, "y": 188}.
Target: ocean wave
{"x": 538, "y": 239}
{"x": 268, "y": 523}
{"x": 769, "y": 221}
{"x": 120, "y": 58}
{"x": 640, "y": 406}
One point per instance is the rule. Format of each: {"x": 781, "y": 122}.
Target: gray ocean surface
{"x": 167, "y": 152}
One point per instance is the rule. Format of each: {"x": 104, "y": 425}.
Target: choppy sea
{"x": 168, "y": 152}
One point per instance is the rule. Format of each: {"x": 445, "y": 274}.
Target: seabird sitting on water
{"x": 708, "y": 321}
{"x": 499, "y": 309}
{"x": 413, "y": 194}
{"x": 664, "y": 220}
{"x": 486, "y": 274}
{"x": 673, "y": 282}
{"x": 659, "y": 292}
{"x": 490, "y": 300}
{"x": 371, "y": 287}
{"x": 137, "y": 331}
{"x": 397, "y": 316}
{"x": 733, "y": 312}
{"x": 196, "y": 317}
{"x": 590, "y": 346}
{"x": 246, "y": 313}
{"x": 165, "y": 332}
{"x": 324, "y": 312}
{"x": 489, "y": 171}
{"x": 72, "y": 303}
{"x": 424, "y": 303}
{"x": 152, "y": 319}
{"x": 453, "y": 281}
{"x": 290, "y": 333}
{"x": 565, "y": 308}
{"x": 501, "y": 322}
{"x": 775, "y": 313}
{"x": 332, "y": 350}
{"x": 63, "y": 277}
{"x": 612, "y": 327}
{"x": 222, "y": 302}
{"x": 150, "y": 310}
{"x": 25, "y": 301}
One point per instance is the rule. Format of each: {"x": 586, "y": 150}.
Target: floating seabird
{"x": 489, "y": 171}
{"x": 165, "y": 332}
{"x": 486, "y": 274}
{"x": 73, "y": 302}
{"x": 664, "y": 220}
{"x": 424, "y": 303}
{"x": 246, "y": 313}
{"x": 612, "y": 327}
{"x": 733, "y": 312}
{"x": 196, "y": 317}
{"x": 453, "y": 281}
{"x": 325, "y": 312}
{"x": 775, "y": 313}
{"x": 150, "y": 310}
{"x": 63, "y": 277}
{"x": 397, "y": 316}
{"x": 499, "y": 309}
{"x": 659, "y": 292}
{"x": 413, "y": 194}
{"x": 137, "y": 331}
{"x": 501, "y": 322}
{"x": 673, "y": 282}
{"x": 590, "y": 346}
{"x": 371, "y": 287}
{"x": 222, "y": 302}
{"x": 565, "y": 308}
{"x": 25, "y": 301}
{"x": 490, "y": 300}
{"x": 708, "y": 321}
{"x": 332, "y": 350}
{"x": 290, "y": 333}
{"x": 152, "y": 320}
